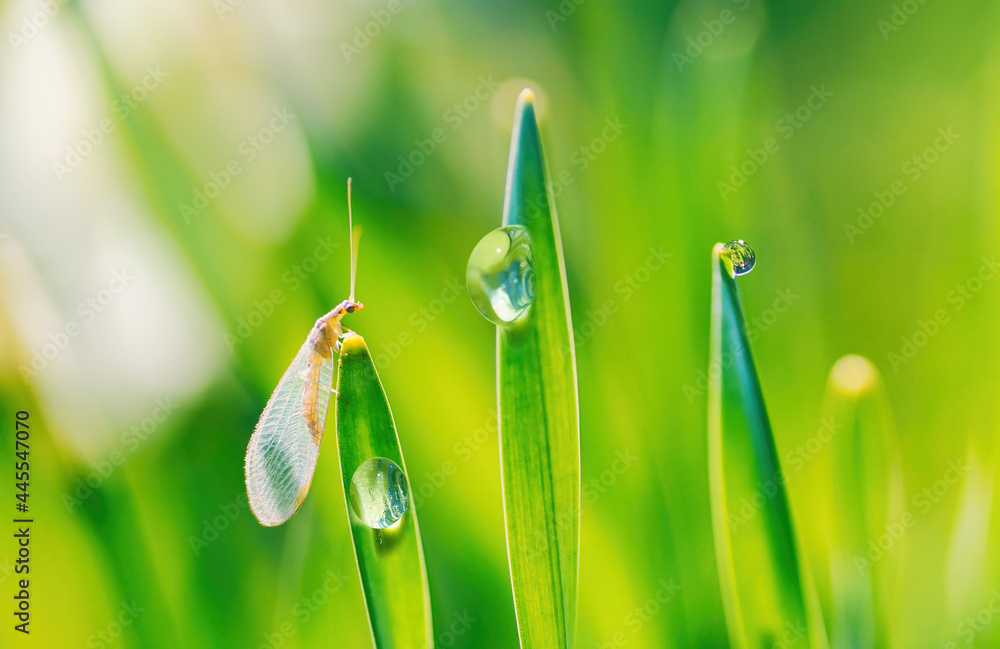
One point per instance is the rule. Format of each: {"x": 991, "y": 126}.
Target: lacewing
{"x": 282, "y": 453}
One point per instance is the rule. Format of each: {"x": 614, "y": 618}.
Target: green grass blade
{"x": 539, "y": 413}
{"x": 867, "y": 495}
{"x": 390, "y": 561}
{"x": 759, "y": 570}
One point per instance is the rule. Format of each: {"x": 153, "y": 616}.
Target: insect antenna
{"x": 355, "y": 240}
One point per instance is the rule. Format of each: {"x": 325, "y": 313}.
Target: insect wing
{"x": 281, "y": 456}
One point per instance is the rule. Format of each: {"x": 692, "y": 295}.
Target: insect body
{"x": 282, "y": 453}
{"x": 323, "y": 341}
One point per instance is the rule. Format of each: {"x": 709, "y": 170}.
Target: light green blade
{"x": 759, "y": 570}
{"x": 539, "y": 424}
{"x": 868, "y": 495}
{"x": 390, "y": 560}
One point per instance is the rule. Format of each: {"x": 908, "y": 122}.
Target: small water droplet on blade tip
{"x": 741, "y": 255}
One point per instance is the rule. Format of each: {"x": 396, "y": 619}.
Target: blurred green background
{"x": 173, "y": 219}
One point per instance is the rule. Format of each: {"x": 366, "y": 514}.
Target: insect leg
{"x": 338, "y": 332}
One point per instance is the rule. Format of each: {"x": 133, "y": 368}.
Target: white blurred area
{"x": 103, "y": 350}
{"x": 97, "y": 368}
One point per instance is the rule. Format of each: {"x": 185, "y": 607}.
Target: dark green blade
{"x": 759, "y": 570}
{"x": 391, "y": 560}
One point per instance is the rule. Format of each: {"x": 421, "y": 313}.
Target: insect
{"x": 282, "y": 453}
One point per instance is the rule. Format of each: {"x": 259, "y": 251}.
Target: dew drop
{"x": 379, "y": 495}
{"x": 500, "y": 276}
{"x": 742, "y": 256}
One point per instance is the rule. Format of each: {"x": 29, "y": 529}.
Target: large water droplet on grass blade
{"x": 379, "y": 493}
{"x": 500, "y": 275}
